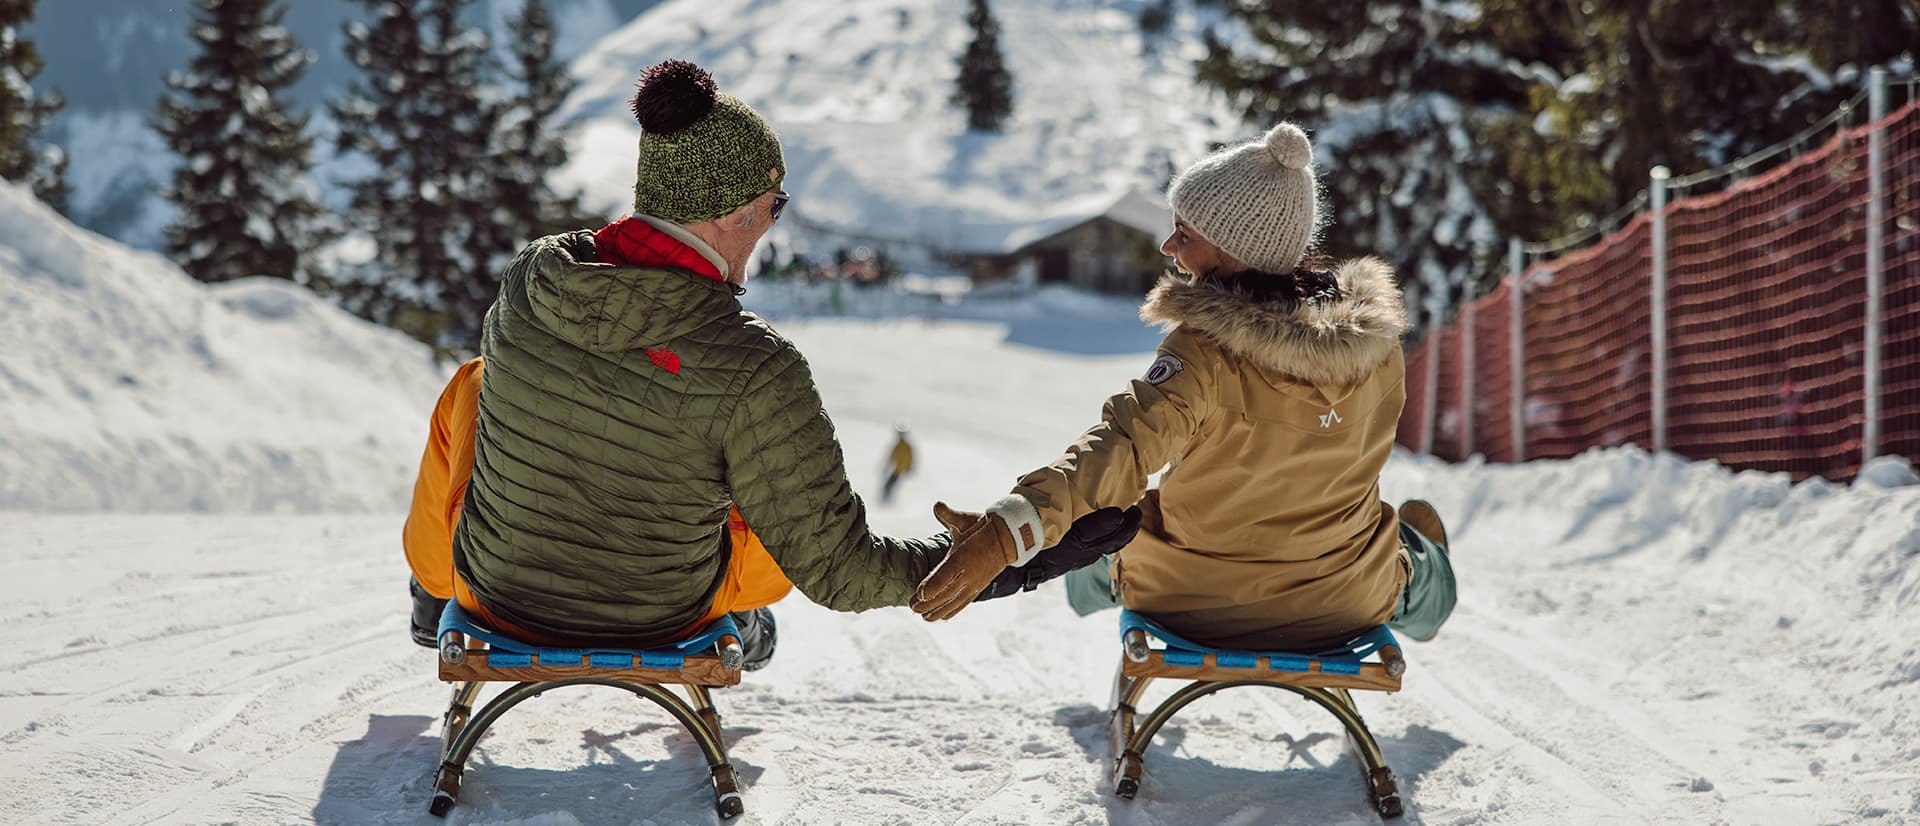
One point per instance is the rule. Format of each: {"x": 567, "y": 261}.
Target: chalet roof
{"x": 1132, "y": 208}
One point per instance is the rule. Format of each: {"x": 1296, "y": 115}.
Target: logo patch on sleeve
{"x": 1163, "y": 368}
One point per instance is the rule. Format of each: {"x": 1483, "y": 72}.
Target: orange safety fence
{"x": 1766, "y": 297}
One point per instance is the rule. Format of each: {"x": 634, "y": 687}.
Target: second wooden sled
{"x": 472, "y": 655}
{"x": 1328, "y": 679}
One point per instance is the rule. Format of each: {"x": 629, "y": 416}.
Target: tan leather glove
{"x": 982, "y": 548}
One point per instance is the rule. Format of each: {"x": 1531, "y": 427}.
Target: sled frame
{"x": 1327, "y": 680}
{"x": 472, "y": 656}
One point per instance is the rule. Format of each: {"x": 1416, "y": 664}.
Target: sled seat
{"x": 1370, "y": 662}
{"x": 472, "y": 655}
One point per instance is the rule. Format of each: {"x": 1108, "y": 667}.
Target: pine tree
{"x": 246, "y": 206}
{"x": 464, "y": 75}
{"x": 1397, "y": 96}
{"x": 420, "y": 112}
{"x": 984, "y": 87}
{"x": 23, "y": 114}
{"x": 530, "y": 145}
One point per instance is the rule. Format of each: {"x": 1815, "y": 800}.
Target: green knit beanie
{"x": 703, "y": 153}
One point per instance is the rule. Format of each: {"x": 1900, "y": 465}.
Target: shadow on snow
{"x": 1298, "y": 788}
{"x": 386, "y": 776}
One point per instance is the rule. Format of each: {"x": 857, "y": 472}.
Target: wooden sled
{"x": 1327, "y": 679}
{"x": 472, "y": 655}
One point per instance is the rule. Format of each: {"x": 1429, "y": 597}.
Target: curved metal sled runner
{"x": 1327, "y": 679}
{"x": 471, "y": 656}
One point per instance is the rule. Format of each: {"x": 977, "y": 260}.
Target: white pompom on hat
{"x": 1257, "y": 201}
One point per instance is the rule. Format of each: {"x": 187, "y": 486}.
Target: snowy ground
{"x": 1640, "y": 640}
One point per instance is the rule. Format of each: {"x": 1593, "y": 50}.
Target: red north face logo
{"x": 665, "y": 359}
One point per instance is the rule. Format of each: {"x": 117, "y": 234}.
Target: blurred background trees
{"x": 1443, "y": 129}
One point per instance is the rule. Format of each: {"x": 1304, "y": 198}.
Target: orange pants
{"x": 752, "y": 580}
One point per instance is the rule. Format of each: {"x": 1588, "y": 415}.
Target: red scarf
{"x": 632, "y": 242}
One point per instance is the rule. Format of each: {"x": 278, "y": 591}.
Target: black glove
{"x": 1092, "y": 536}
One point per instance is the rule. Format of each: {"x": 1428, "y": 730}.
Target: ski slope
{"x": 200, "y": 630}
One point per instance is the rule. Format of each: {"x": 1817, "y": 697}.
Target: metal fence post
{"x": 1657, "y": 185}
{"x": 1876, "y": 257}
{"x": 1467, "y": 368}
{"x": 1429, "y": 406}
{"x": 1517, "y": 385}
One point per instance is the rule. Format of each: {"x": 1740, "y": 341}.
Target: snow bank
{"x": 1750, "y": 637}
{"x": 127, "y": 385}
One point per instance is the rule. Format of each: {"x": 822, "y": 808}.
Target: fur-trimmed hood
{"x": 1337, "y": 342}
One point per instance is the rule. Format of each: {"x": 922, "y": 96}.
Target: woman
{"x": 1272, "y": 403}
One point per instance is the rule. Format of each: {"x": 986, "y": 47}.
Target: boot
{"x": 758, "y": 634}
{"x": 1431, "y": 589}
{"x": 426, "y": 615}
{"x": 1419, "y": 515}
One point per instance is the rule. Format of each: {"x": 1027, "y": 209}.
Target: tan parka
{"x": 1267, "y": 530}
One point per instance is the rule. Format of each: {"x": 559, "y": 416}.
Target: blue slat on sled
{"x": 1181, "y": 656}
{"x": 506, "y": 652}
{"x": 610, "y": 660}
{"x": 1226, "y": 660}
{"x": 1182, "y": 652}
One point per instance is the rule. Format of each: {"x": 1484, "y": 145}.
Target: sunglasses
{"x": 780, "y": 200}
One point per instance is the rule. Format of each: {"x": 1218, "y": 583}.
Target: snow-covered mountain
{"x": 859, "y": 92}
{"x": 126, "y": 385}
{"x": 111, "y": 58}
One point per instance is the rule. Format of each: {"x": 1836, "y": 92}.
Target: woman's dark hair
{"x": 1310, "y": 282}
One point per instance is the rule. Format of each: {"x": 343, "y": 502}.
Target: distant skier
{"x": 899, "y": 462}
{"x": 1273, "y": 403}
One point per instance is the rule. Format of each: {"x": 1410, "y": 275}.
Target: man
{"x": 628, "y": 404}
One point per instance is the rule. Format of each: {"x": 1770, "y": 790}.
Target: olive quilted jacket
{"x": 622, "y": 410}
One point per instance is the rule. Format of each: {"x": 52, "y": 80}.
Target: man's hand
{"x": 982, "y": 548}
{"x": 1091, "y": 538}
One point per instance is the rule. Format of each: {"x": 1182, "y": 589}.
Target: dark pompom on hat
{"x": 672, "y": 96}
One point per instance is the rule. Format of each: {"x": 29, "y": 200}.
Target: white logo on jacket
{"x": 1331, "y": 418}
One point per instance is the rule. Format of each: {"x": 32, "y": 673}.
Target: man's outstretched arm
{"x": 789, "y": 479}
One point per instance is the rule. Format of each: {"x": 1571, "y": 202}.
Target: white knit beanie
{"x": 1256, "y": 201}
